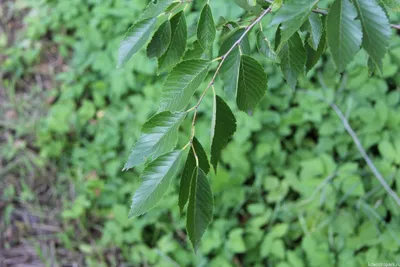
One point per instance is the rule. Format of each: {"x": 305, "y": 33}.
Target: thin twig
{"x": 360, "y": 148}
{"x": 394, "y": 26}
{"x": 320, "y": 187}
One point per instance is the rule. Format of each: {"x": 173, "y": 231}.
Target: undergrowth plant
{"x": 221, "y": 49}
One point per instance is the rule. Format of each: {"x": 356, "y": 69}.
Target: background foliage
{"x": 292, "y": 189}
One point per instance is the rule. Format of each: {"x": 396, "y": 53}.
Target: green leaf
{"x": 264, "y": 47}
{"x": 391, "y": 4}
{"x": 291, "y": 16}
{"x": 316, "y": 29}
{"x": 177, "y": 45}
{"x": 312, "y": 55}
{"x": 160, "y": 41}
{"x": 249, "y": 5}
{"x": 277, "y": 4}
{"x": 375, "y": 28}
{"x": 155, "y": 179}
{"x": 159, "y": 135}
{"x": 252, "y": 84}
{"x": 230, "y": 72}
{"x": 200, "y": 207}
{"x": 134, "y": 39}
{"x": 155, "y": 8}
{"x": 223, "y": 128}
{"x": 293, "y": 60}
{"x": 230, "y": 69}
{"x": 230, "y": 39}
{"x": 206, "y": 28}
{"x": 196, "y": 52}
{"x": 182, "y": 82}
{"x": 227, "y": 28}
{"x": 343, "y": 32}
{"x": 277, "y": 40}
{"x": 188, "y": 171}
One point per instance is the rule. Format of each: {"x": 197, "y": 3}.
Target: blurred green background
{"x": 292, "y": 190}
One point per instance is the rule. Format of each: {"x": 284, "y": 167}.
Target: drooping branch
{"x": 211, "y": 83}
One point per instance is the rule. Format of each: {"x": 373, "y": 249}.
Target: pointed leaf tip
{"x": 155, "y": 179}
{"x": 134, "y": 39}
{"x": 200, "y": 207}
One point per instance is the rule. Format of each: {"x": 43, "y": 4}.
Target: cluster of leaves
{"x": 272, "y": 203}
{"x": 303, "y": 33}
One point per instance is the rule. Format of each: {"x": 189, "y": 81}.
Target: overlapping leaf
{"x": 230, "y": 39}
{"x": 252, "y": 84}
{"x": 316, "y": 29}
{"x": 265, "y": 48}
{"x": 293, "y": 59}
{"x": 155, "y": 178}
{"x": 206, "y": 28}
{"x": 155, "y": 8}
{"x": 159, "y": 135}
{"x": 230, "y": 68}
{"x": 343, "y": 32}
{"x": 312, "y": 55}
{"x": 375, "y": 28}
{"x": 223, "y": 128}
{"x": 196, "y": 52}
{"x": 134, "y": 39}
{"x": 230, "y": 72}
{"x": 160, "y": 41}
{"x": 177, "y": 46}
{"x": 188, "y": 171}
{"x": 291, "y": 16}
{"x": 182, "y": 82}
{"x": 200, "y": 207}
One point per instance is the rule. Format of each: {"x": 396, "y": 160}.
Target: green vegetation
{"x": 291, "y": 187}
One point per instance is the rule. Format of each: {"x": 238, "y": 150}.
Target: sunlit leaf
{"x": 159, "y": 135}
{"x": 155, "y": 179}
{"x": 134, "y": 39}
{"x": 182, "y": 82}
